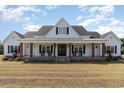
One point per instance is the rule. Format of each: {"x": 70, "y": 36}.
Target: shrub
{"x": 10, "y": 59}
{"x": 17, "y": 59}
{"x": 5, "y": 58}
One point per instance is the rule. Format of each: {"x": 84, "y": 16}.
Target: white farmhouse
{"x": 62, "y": 40}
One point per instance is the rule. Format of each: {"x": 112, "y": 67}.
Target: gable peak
{"x": 62, "y": 20}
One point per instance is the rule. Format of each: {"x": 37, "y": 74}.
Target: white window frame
{"x": 62, "y": 30}
{"x": 46, "y": 48}
{"x": 78, "y": 46}
{"x": 110, "y": 49}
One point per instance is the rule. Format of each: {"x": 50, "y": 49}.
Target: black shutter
{"x": 84, "y": 49}
{"x": 39, "y": 48}
{"x": 11, "y": 49}
{"x": 72, "y": 48}
{"x": 57, "y": 30}
{"x": 67, "y": 30}
{"x": 115, "y": 49}
{"x": 8, "y": 49}
{"x": 51, "y": 49}
{"x": 19, "y": 48}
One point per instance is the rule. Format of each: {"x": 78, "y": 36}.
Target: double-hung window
{"x": 111, "y": 49}
{"x": 45, "y": 49}
{"x": 13, "y": 49}
{"x": 62, "y": 30}
{"x": 78, "y": 49}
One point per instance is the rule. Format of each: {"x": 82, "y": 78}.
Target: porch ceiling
{"x": 62, "y": 40}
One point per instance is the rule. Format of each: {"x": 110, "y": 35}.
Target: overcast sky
{"x": 30, "y": 18}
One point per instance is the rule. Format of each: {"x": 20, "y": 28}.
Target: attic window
{"x": 63, "y": 30}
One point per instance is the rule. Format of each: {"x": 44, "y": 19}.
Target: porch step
{"x": 62, "y": 59}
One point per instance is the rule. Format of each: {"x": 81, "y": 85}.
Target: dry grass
{"x": 19, "y": 74}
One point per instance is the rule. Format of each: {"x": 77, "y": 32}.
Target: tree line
{"x": 122, "y": 46}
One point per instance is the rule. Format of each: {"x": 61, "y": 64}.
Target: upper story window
{"x": 62, "y": 30}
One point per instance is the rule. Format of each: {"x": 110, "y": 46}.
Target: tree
{"x": 122, "y": 46}
{"x": 1, "y": 48}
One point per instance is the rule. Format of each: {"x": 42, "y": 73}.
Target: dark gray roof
{"x": 104, "y": 35}
{"x": 30, "y": 34}
{"x": 94, "y": 34}
{"x": 45, "y": 29}
{"x": 80, "y": 30}
{"x": 20, "y": 35}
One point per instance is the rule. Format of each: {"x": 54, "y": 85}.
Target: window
{"x": 45, "y": 49}
{"x": 8, "y": 49}
{"x": 78, "y": 49}
{"x": 111, "y": 49}
{"x": 62, "y": 30}
{"x": 13, "y": 49}
{"x": 48, "y": 49}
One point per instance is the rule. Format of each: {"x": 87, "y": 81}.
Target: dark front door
{"x": 61, "y": 49}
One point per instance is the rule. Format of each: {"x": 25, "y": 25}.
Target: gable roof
{"x": 45, "y": 29}
{"x": 30, "y": 34}
{"x": 94, "y": 34}
{"x": 80, "y": 30}
{"x": 105, "y": 35}
{"x": 18, "y": 34}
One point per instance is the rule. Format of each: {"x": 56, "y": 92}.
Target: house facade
{"x": 62, "y": 40}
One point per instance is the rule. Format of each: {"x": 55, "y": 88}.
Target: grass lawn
{"x": 19, "y": 74}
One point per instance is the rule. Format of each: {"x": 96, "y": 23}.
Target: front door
{"x": 97, "y": 50}
{"x": 61, "y": 49}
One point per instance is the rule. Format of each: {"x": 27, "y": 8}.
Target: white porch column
{"x": 67, "y": 49}
{"x": 103, "y": 49}
{"x": 100, "y": 49}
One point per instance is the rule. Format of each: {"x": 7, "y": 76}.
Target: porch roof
{"x": 61, "y": 40}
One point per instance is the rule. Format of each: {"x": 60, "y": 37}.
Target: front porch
{"x": 79, "y": 50}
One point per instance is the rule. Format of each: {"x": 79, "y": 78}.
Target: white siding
{"x": 88, "y": 50}
{"x": 113, "y": 41}
{"x": 13, "y": 39}
{"x": 62, "y": 23}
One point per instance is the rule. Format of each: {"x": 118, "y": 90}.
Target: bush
{"x": 17, "y": 59}
{"x": 5, "y": 58}
{"x": 10, "y": 59}
{"x": 122, "y": 52}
